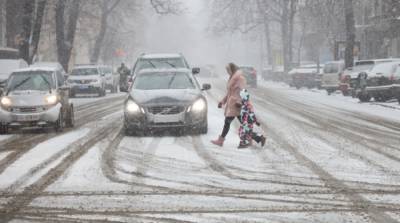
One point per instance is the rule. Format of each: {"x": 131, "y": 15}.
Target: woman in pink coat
{"x": 232, "y": 100}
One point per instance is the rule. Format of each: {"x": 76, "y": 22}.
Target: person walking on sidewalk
{"x": 247, "y": 121}
{"x": 232, "y": 100}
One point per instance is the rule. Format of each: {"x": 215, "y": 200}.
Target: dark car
{"x": 165, "y": 99}
{"x": 250, "y": 74}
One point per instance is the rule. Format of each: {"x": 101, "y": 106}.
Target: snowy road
{"x": 327, "y": 159}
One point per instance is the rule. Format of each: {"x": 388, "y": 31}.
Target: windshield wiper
{"x": 47, "y": 82}
{"x": 172, "y": 65}
{"x": 172, "y": 80}
{"x": 154, "y": 66}
{"x": 18, "y": 85}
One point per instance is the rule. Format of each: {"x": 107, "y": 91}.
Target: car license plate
{"x": 167, "y": 118}
{"x": 83, "y": 86}
{"x": 27, "y": 118}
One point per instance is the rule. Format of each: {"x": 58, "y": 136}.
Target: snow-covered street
{"x": 327, "y": 159}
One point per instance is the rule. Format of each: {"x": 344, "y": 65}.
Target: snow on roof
{"x": 8, "y": 49}
{"x": 41, "y": 68}
{"x": 85, "y": 66}
{"x": 163, "y": 70}
{"x": 161, "y": 55}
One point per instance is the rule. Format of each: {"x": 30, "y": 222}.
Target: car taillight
{"x": 391, "y": 78}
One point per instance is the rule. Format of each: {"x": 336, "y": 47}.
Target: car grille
{"x": 82, "y": 81}
{"x": 27, "y": 109}
{"x": 166, "y": 110}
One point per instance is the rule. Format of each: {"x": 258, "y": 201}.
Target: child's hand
{"x": 220, "y": 105}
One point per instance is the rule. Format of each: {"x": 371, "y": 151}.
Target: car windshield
{"x": 154, "y": 81}
{"x": 331, "y": 68}
{"x": 160, "y": 63}
{"x": 84, "y": 71}
{"x": 385, "y": 68}
{"x": 31, "y": 80}
{"x": 363, "y": 67}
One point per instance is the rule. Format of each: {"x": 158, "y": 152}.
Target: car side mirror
{"x": 196, "y": 70}
{"x": 103, "y": 74}
{"x": 1, "y": 91}
{"x": 206, "y": 87}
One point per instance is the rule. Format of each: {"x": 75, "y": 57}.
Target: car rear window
{"x": 170, "y": 80}
{"x": 331, "y": 68}
{"x": 384, "y": 68}
{"x": 84, "y": 71}
{"x": 159, "y": 63}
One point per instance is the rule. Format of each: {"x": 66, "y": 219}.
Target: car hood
{"x": 175, "y": 96}
{"x": 28, "y": 98}
{"x": 84, "y": 77}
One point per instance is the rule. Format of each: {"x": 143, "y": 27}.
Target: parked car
{"x": 331, "y": 76}
{"x": 382, "y": 80}
{"x": 9, "y": 54}
{"x": 9, "y": 61}
{"x": 36, "y": 97}
{"x": 306, "y": 76}
{"x": 87, "y": 80}
{"x": 166, "y": 99}
{"x": 7, "y": 66}
{"x": 250, "y": 74}
{"x": 111, "y": 79}
{"x": 349, "y": 83}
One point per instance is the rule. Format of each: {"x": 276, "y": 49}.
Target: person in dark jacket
{"x": 247, "y": 121}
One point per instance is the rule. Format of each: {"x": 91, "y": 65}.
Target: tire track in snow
{"x": 359, "y": 202}
{"x": 16, "y": 204}
{"x": 21, "y": 148}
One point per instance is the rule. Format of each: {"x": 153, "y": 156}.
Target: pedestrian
{"x": 232, "y": 100}
{"x": 123, "y": 74}
{"x": 247, "y": 121}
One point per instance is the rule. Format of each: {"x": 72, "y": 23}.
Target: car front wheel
{"x": 70, "y": 120}
{"x": 3, "y": 129}
{"x": 59, "y": 125}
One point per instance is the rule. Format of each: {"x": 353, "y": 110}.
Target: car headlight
{"x": 6, "y": 101}
{"x": 51, "y": 99}
{"x": 132, "y": 107}
{"x": 198, "y": 105}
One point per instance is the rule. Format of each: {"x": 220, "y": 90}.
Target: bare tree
{"x": 65, "y": 36}
{"x": 107, "y": 7}
{"x": 350, "y": 32}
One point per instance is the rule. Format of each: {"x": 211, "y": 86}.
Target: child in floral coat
{"x": 248, "y": 119}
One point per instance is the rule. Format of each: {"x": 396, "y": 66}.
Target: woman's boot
{"x": 219, "y": 141}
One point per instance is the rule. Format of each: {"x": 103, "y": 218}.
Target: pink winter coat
{"x": 232, "y": 99}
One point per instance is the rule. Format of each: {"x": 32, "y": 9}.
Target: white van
{"x": 331, "y": 76}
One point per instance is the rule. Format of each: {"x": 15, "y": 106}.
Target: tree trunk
{"x": 105, "y": 12}
{"x": 65, "y": 40}
{"x": 28, "y": 7}
{"x": 13, "y": 22}
{"x": 350, "y": 33}
{"x": 293, "y": 9}
{"x": 37, "y": 27}
{"x": 100, "y": 37}
{"x": 268, "y": 42}
{"x": 2, "y": 6}
{"x": 60, "y": 33}
{"x": 285, "y": 35}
